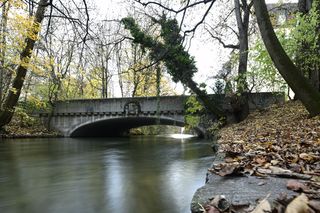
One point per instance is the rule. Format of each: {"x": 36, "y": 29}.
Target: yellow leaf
{"x": 298, "y": 205}
{"x": 263, "y": 207}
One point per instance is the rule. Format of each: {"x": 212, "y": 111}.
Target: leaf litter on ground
{"x": 280, "y": 141}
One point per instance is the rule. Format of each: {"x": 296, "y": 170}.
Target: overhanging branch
{"x": 171, "y": 9}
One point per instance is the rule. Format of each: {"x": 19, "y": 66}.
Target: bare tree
{"x": 60, "y": 10}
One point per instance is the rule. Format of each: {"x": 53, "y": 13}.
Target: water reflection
{"x": 143, "y": 174}
{"x": 182, "y": 136}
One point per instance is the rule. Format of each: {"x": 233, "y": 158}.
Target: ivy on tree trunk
{"x": 180, "y": 65}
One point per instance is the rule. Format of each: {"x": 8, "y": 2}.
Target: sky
{"x": 209, "y": 58}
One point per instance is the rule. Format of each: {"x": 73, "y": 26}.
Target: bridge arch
{"x": 120, "y": 125}
{"x": 115, "y": 115}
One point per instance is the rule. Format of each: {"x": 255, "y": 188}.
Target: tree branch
{"x": 183, "y": 16}
{"x": 49, "y": 21}
{"x": 4, "y": 3}
{"x": 202, "y": 20}
{"x": 87, "y": 20}
{"x": 231, "y": 46}
{"x": 171, "y": 9}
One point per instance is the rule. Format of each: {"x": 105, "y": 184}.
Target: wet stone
{"x": 239, "y": 190}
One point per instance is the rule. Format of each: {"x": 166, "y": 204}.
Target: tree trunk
{"x": 243, "y": 25}
{"x": 239, "y": 104}
{"x": 106, "y": 77}
{"x": 309, "y": 96}
{"x": 7, "y": 110}
{"x": 304, "y": 6}
{"x": 4, "y": 21}
{"x": 316, "y": 76}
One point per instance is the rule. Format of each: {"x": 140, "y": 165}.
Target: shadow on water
{"x": 136, "y": 174}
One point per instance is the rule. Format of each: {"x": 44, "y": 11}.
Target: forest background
{"x": 83, "y": 53}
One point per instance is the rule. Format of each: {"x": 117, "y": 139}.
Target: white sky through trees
{"x": 209, "y": 55}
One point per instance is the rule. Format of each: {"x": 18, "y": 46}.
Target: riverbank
{"x": 281, "y": 141}
{"x": 20, "y": 129}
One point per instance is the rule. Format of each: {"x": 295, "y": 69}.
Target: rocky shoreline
{"x": 269, "y": 162}
{"x": 241, "y": 192}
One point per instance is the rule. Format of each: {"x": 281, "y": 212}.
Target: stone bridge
{"x": 115, "y": 116}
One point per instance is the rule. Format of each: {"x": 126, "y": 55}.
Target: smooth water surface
{"x": 110, "y": 175}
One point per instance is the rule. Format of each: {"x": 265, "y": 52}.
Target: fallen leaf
{"x": 211, "y": 209}
{"x": 298, "y": 205}
{"x": 229, "y": 169}
{"x": 263, "y": 207}
{"x": 229, "y": 160}
{"x": 315, "y": 205}
{"x": 295, "y": 167}
{"x": 260, "y": 160}
{"x": 276, "y": 169}
{"x": 274, "y": 162}
{"x": 264, "y": 171}
{"x": 306, "y": 157}
{"x": 295, "y": 185}
{"x": 278, "y": 207}
{"x": 261, "y": 183}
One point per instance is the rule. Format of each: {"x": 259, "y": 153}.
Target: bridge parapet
{"x": 117, "y": 105}
{"x": 149, "y": 104}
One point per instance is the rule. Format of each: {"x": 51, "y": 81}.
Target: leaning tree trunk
{"x": 308, "y": 95}
{"x": 11, "y": 100}
{"x": 173, "y": 58}
{"x": 205, "y": 100}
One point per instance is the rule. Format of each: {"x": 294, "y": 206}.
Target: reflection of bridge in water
{"x": 115, "y": 116}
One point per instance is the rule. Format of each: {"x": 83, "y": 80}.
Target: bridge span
{"x": 115, "y": 116}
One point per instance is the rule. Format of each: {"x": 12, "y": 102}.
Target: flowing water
{"x": 110, "y": 175}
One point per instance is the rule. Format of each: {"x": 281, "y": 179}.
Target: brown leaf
{"x": 315, "y": 205}
{"x": 295, "y": 185}
{"x": 211, "y": 209}
{"x": 229, "y": 169}
{"x": 276, "y": 169}
{"x": 229, "y": 160}
{"x": 260, "y": 160}
{"x": 264, "y": 171}
{"x": 298, "y": 205}
{"x": 295, "y": 167}
{"x": 306, "y": 157}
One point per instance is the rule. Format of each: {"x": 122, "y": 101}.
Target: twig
{"x": 293, "y": 175}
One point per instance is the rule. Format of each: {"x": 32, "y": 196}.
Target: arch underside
{"x": 119, "y": 126}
